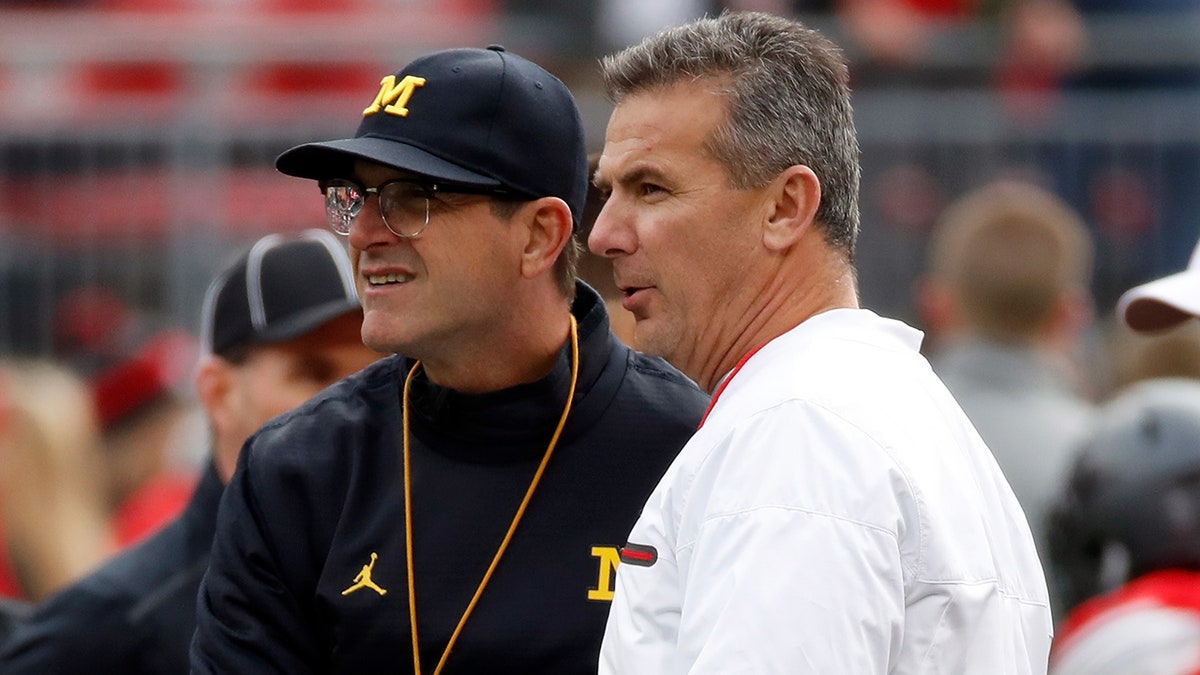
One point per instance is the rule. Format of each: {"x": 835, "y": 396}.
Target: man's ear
{"x": 213, "y": 386}
{"x": 794, "y": 197}
{"x": 550, "y": 227}
{"x": 215, "y": 392}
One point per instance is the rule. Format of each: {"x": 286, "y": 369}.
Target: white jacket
{"x": 835, "y": 514}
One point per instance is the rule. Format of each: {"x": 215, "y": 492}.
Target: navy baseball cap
{"x": 280, "y": 289}
{"x": 479, "y": 117}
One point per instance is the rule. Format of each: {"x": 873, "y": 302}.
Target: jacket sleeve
{"x": 248, "y": 618}
{"x": 80, "y": 630}
{"x": 764, "y": 565}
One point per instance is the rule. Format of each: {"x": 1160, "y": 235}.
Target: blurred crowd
{"x": 1091, "y": 408}
{"x": 99, "y": 445}
{"x": 1093, "y": 418}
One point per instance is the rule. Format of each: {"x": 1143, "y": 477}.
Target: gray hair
{"x": 789, "y": 102}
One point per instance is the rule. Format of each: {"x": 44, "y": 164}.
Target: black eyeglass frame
{"x": 339, "y": 218}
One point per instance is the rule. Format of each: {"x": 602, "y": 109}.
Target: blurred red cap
{"x": 158, "y": 368}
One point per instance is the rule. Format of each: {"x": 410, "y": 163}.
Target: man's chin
{"x": 380, "y": 338}
{"x": 648, "y": 341}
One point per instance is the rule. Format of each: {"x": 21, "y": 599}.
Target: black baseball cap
{"x": 479, "y": 117}
{"x": 280, "y": 289}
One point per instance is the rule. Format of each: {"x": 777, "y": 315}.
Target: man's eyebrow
{"x": 635, "y": 175}
{"x": 599, "y": 180}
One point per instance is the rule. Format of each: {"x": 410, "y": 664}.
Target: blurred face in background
{"x": 274, "y": 378}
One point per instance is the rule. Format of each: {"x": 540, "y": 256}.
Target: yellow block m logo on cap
{"x": 394, "y": 95}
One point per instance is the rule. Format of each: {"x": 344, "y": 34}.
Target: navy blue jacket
{"x": 135, "y": 614}
{"x": 316, "y": 506}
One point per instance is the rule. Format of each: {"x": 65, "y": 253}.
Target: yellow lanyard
{"x": 512, "y": 528}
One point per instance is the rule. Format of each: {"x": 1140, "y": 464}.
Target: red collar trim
{"x": 725, "y": 382}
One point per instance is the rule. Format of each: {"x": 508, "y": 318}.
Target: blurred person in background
{"x": 94, "y": 328}
{"x": 53, "y": 514}
{"x": 278, "y": 325}
{"x": 143, "y": 406}
{"x": 1125, "y": 531}
{"x": 1155, "y": 335}
{"x": 1160, "y": 305}
{"x": 1005, "y": 299}
{"x": 1125, "y": 538}
{"x": 1137, "y": 356}
{"x": 138, "y": 373}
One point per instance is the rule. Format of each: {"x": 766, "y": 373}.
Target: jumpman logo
{"x": 363, "y": 580}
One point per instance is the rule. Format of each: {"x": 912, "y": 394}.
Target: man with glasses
{"x": 457, "y": 507}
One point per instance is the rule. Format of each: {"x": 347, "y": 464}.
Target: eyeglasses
{"x": 404, "y": 203}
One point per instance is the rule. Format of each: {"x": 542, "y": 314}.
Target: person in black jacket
{"x": 457, "y": 507}
{"x": 279, "y": 324}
